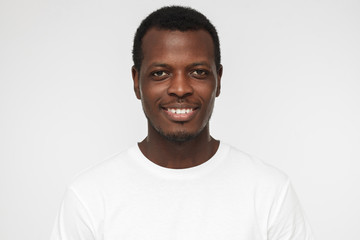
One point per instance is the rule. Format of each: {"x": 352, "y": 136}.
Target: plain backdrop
{"x": 290, "y": 95}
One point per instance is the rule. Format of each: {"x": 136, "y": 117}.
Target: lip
{"x": 180, "y": 114}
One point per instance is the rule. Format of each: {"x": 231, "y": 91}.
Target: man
{"x": 179, "y": 182}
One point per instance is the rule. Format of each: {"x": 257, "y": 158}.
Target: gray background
{"x": 290, "y": 95}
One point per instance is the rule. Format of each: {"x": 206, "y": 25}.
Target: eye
{"x": 199, "y": 73}
{"x": 159, "y": 74}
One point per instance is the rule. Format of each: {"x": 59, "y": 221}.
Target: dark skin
{"x": 177, "y": 84}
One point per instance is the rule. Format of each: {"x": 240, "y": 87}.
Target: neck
{"x": 182, "y": 154}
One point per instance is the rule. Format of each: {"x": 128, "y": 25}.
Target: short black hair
{"x": 174, "y": 18}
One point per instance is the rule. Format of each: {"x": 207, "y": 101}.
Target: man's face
{"x": 178, "y": 82}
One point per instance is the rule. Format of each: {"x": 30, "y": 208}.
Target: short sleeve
{"x": 287, "y": 221}
{"x": 73, "y": 221}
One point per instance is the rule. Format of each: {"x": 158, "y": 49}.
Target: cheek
{"x": 207, "y": 94}
{"x": 210, "y": 100}
{"x": 150, "y": 96}
{"x": 210, "y": 106}
{"x": 145, "y": 106}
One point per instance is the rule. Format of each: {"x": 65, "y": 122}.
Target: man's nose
{"x": 180, "y": 86}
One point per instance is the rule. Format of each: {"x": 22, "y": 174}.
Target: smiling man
{"x": 177, "y": 83}
{"x": 179, "y": 182}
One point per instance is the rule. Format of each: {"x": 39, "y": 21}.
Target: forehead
{"x": 169, "y": 45}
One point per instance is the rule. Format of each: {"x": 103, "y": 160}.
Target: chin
{"x": 178, "y": 136}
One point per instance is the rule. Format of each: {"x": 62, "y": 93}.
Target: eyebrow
{"x": 200, "y": 64}
{"x": 158, "y": 64}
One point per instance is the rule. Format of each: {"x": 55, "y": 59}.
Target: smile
{"x": 180, "y": 114}
{"x": 180, "y": 110}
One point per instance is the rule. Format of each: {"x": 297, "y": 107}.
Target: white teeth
{"x": 180, "y": 110}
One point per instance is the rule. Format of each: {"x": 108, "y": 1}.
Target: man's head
{"x": 178, "y": 73}
{"x": 174, "y": 18}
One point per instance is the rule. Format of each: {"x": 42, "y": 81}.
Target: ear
{"x": 135, "y": 77}
{"x": 219, "y": 74}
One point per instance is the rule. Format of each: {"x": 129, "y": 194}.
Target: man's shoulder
{"x": 102, "y": 171}
{"x": 254, "y": 168}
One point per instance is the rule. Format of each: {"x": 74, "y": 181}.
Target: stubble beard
{"x": 178, "y": 136}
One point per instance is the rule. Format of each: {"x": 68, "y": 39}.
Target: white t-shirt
{"x": 232, "y": 196}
